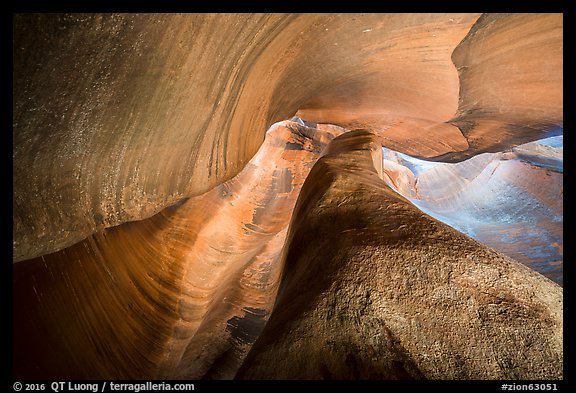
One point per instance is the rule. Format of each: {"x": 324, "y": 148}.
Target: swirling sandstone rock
{"x": 511, "y": 73}
{"x": 180, "y": 295}
{"x": 119, "y": 116}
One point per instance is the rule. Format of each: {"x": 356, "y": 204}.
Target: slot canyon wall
{"x": 219, "y": 196}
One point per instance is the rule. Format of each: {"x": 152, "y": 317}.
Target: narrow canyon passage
{"x": 169, "y": 222}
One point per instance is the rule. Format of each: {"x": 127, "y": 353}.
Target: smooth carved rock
{"x": 180, "y": 295}
{"x": 511, "y": 80}
{"x": 373, "y": 288}
{"x": 119, "y": 116}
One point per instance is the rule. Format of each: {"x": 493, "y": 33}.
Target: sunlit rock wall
{"x": 511, "y": 201}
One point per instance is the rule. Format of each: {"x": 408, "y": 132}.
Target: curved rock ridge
{"x": 511, "y": 81}
{"x": 510, "y": 201}
{"x": 117, "y": 116}
{"x": 181, "y": 295}
{"x": 372, "y": 288}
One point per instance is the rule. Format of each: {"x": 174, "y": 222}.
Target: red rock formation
{"x": 107, "y": 95}
{"x": 511, "y": 73}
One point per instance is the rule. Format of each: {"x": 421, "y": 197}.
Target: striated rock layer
{"x": 119, "y": 116}
{"x": 180, "y": 295}
{"x": 373, "y": 288}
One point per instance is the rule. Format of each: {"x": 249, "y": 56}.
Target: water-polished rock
{"x": 180, "y": 295}
{"x": 144, "y": 120}
{"x": 117, "y": 116}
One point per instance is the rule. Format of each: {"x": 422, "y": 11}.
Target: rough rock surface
{"x": 373, "y": 288}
